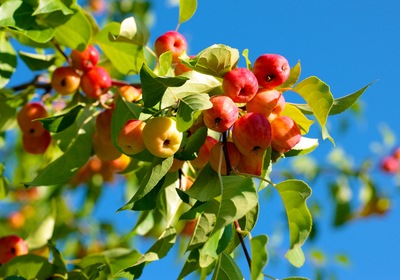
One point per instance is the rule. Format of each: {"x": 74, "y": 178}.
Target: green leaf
{"x": 215, "y": 60}
{"x": 8, "y": 60}
{"x": 3, "y": 183}
{"x": 206, "y": 186}
{"x": 187, "y": 8}
{"x": 127, "y": 58}
{"x": 153, "y": 87}
{"x": 36, "y": 61}
{"x": 188, "y": 106}
{"x": 17, "y": 17}
{"x": 159, "y": 168}
{"x": 191, "y": 264}
{"x": 27, "y": 266}
{"x": 164, "y": 67}
{"x": 294, "y": 194}
{"x": 245, "y": 54}
{"x": 259, "y": 256}
{"x": 62, "y": 121}
{"x": 48, "y": 6}
{"x": 293, "y": 77}
{"x": 67, "y": 34}
{"x": 42, "y": 234}
{"x": 75, "y": 155}
{"x": 58, "y": 260}
{"x": 148, "y": 201}
{"x": 192, "y": 145}
{"x": 305, "y": 146}
{"x": 132, "y": 31}
{"x": 227, "y": 268}
{"x": 318, "y": 96}
{"x": 295, "y": 278}
{"x": 168, "y": 200}
{"x": 208, "y": 253}
{"x": 298, "y": 116}
{"x": 238, "y": 198}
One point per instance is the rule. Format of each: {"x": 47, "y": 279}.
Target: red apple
{"x": 251, "y": 164}
{"x": 95, "y": 82}
{"x": 103, "y": 124}
{"x": 86, "y": 59}
{"x": 36, "y": 144}
{"x": 204, "y": 153}
{"x": 65, "y": 80}
{"x": 10, "y": 247}
{"x": 268, "y": 103}
{"x": 217, "y": 155}
{"x": 130, "y": 138}
{"x": 171, "y": 41}
{"x": 240, "y": 84}
{"x": 222, "y": 115}
{"x": 251, "y": 134}
{"x": 130, "y": 93}
{"x": 285, "y": 134}
{"x": 26, "y": 116}
{"x": 390, "y": 164}
{"x": 271, "y": 70}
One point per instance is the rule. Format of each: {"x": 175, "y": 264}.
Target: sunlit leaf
{"x": 42, "y": 234}
{"x": 305, "y": 146}
{"x": 62, "y": 121}
{"x": 298, "y": 116}
{"x": 132, "y": 31}
{"x": 245, "y": 54}
{"x": 168, "y": 200}
{"x": 37, "y": 61}
{"x": 259, "y": 256}
{"x": 191, "y": 264}
{"x": 295, "y": 278}
{"x": 208, "y": 253}
{"x": 206, "y": 186}
{"x": 294, "y": 76}
{"x": 188, "y": 106}
{"x": 48, "y": 6}
{"x": 294, "y": 194}
{"x": 193, "y": 144}
{"x": 187, "y": 8}
{"x": 8, "y": 59}
{"x": 3, "y": 183}
{"x": 27, "y": 266}
{"x": 227, "y": 268}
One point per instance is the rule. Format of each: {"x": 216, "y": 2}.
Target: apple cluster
{"x": 391, "y": 163}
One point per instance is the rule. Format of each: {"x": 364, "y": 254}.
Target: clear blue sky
{"x": 348, "y": 44}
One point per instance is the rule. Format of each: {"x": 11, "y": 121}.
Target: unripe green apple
{"x": 161, "y": 137}
{"x": 36, "y": 144}
{"x": 269, "y": 103}
{"x": 10, "y": 247}
{"x": 240, "y": 85}
{"x": 222, "y": 115}
{"x": 86, "y": 59}
{"x": 217, "y": 157}
{"x": 285, "y": 134}
{"x": 65, "y": 80}
{"x": 271, "y": 70}
{"x": 130, "y": 138}
{"x": 26, "y": 116}
{"x": 95, "y": 82}
{"x": 204, "y": 153}
{"x": 171, "y": 41}
{"x": 251, "y": 134}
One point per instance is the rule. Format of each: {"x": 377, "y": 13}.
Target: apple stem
{"x": 226, "y": 154}
{"x": 58, "y": 48}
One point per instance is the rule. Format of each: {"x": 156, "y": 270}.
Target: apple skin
{"x": 271, "y": 70}
{"x": 27, "y": 115}
{"x": 390, "y": 164}
{"x": 65, "y": 80}
{"x": 285, "y": 134}
{"x": 130, "y": 93}
{"x": 215, "y": 155}
{"x": 103, "y": 124}
{"x": 240, "y": 85}
{"x": 104, "y": 148}
{"x": 161, "y": 137}
{"x": 130, "y": 138}
{"x": 251, "y": 164}
{"x": 176, "y": 165}
{"x": 86, "y": 59}
{"x": 10, "y": 247}
{"x": 222, "y": 115}
{"x": 204, "y": 153}
{"x": 171, "y": 41}
{"x": 269, "y": 103}
{"x": 95, "y": 82}
{"x": 36, "y": 145}
{"x": 251, "y": 134}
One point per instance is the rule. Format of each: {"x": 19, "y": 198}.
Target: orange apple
{"x": 130, "y": 138}
{"x": 10, "y": 247}
{"x": 65, "y": 80}
{"x": 204, "y": 153}
{"x": 217, "y": 155}
{"x": 26, "y": 118}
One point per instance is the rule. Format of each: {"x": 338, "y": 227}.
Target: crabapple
{"x": 86, "y": 59}
{"x": 176, "y": 165}
{"x": 222, "y": 115}
{"x": 130, "y": 138}
{"x": 285, "y": 134}
{"x": 10, "y": 247}
{"x": 171, "y": 41}
{"x": 271, "y": 70}
{"x": 161, "y": 137}
{"x": 269, "y": 103}
{"x": 103, "y": 124}
{"x": 26, "y": 116}
{"x": 95, "y": 82}
{"x": 104, "y": 148}
{"x": 204, "y": 153}
{"x": 217, "y": 155}
{"x": 36, "y": 144}
{"x": 390, "y": 164}
{"x": 65, "y": 80}
{"x": 251, "y": 134}
{"x": 181, "y": 68}
{"x": 251, "y": 164}
{"x": 130, "y": 93}
{"x": 120, "y": 164}
{"x": 240, "y": 84}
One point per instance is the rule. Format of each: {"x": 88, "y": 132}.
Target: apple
{"x": 240, "y": 85}
{"x": 251, "y": 134}
{"x": 130, "y": 93}
{"x": 161, "y": 137}
{"x": 176, "y": 165}
{"x": 16, "y": 220}
{"x": 396, "y": 153}
{"x": 271, "y": 70}
{"x": 171, "y": 41}
{"x": 95, "y": 82}
{"x": 120, "y": 164}
{"x": 217, "y": 155}
{"x": 181, "y": 68}
{"x": 104, "y": 148}
{"x": 285, "y": 134}
{"x": 65, "y": 80}
{"x": 86, "y": 59}
{"x": 36, "y": 144}
{"x": 26, "y": 118}
{"x": 10, "y": 247}
{"x": 251, "y": 164}
{"x": 204, "y": 153}
{"x": 269, "y": 103}
{"x": 130, "y": 138}
{"x": 103, "y": 124}
{"x": 390, "y": 164}
{"x": 189, "y": 227}
{"x": 222, "y": 115}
